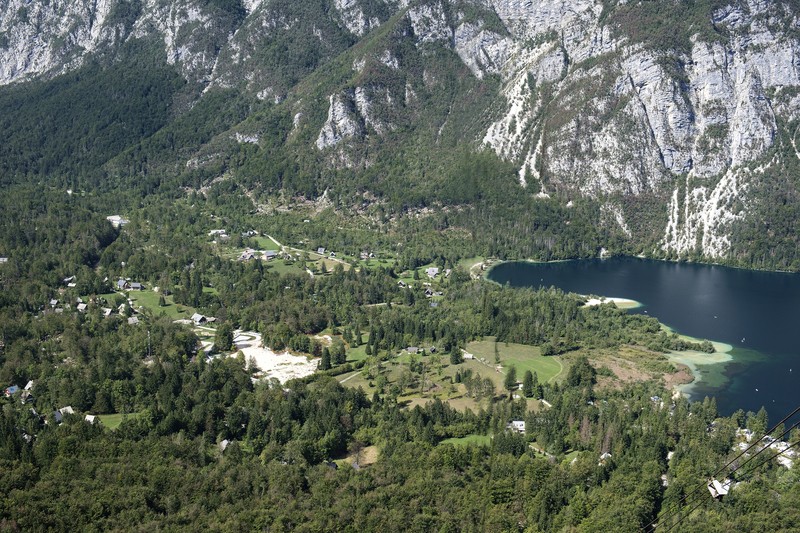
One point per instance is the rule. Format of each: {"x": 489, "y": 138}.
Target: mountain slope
{"x": 676, "y": 120}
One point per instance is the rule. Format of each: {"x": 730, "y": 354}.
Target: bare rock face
{"x": 643, "y": 121}
{"x": 38, "y": 37}
{"x": 342, "y": 122}
{"x": 580, "y": 106}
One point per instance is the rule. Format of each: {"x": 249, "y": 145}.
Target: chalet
{"x": 122, "y": 284}
{"x": 25, "y": 397}
{"x": 3, "y": 260}
{"x": 332, "y": 254}
{"x": 136, "y": 286}
{"x": 117, "y": 221}
{"x": 432, "y": 272}
{"x": 10, "y": 391}
{"x": 82, "y": 307}
{"x": 604, "y": 457}
{"x": 401, "y": 284}
{"x": 132, "y": 320}
{"x": 717, "y": 489}
{"x": 428, "y": 293}
{"x": 29, "y": 385}
{"x": 53, "y": 302}
{"x": 269, "y": 255}
{"x": 106, "y": 311}
{"x": 224, "y": 444}
{"x": 59, "y": 415}
{"x": 447, "y": 273}
{"x": 69, "y": 279}
{"x": 412, "y": 349}
{"x": 321, "y": 250}
{"x": 517, "y": 426}
{"x": 199, "y": 319}
{"x": 217, "y": 233}
{"x": 92, "y": 419}
{"x": 247, "y": 255}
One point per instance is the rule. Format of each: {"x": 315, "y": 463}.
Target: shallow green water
{"x": 754, "y": 312}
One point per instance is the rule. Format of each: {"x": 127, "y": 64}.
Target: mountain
{"x": 674, "y": 120}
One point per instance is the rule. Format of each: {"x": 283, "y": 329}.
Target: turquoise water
{"x": 755, "y": 312}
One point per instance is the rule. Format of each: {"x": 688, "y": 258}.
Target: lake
{"x": 755, "y": 312}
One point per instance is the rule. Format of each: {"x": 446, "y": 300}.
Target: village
{"x": 414, "y": 375}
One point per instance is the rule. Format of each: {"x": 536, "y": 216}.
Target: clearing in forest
{"x": 521, "y": 356}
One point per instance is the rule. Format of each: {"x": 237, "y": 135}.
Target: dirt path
{"x": 351, "y": 376}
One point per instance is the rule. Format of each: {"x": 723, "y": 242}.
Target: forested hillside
{"x": 243, "y": 247}
{"x": 671, "y": 126}
{"x": 127, "y": 421}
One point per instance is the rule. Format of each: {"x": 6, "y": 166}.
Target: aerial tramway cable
{"x": 655, "y": 522}
{"x": 701, "y": 499}
{"x": 686, "y": 498}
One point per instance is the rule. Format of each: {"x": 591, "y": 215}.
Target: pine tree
{"x": 223, "y": 339}
{"x": 527, "y": 384}
{"x": 325, "y": 363}
{"x": 455, "y": 356}
{"x": 338, "y": 354}
{"x": 510, "y": 383}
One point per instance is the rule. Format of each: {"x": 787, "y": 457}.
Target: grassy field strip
{"x": 113, "y": 421}
{"x": 521, "y": 356}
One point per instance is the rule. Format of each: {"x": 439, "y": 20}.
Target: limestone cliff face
{"x": 39, "y": 37}
{"x": 582, "y": 106}
{"x": 625, "y": 119}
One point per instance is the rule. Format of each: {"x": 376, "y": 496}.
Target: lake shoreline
{"x": 705, "y": 369}
{"x": 499, "y": 262}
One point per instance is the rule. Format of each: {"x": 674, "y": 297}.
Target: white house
{"x": 117, "y": 221}
{"x": 199, "y": 319}
{"x": 517, "y": 426}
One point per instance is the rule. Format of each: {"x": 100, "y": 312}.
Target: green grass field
{"x": 265, "y": 243}
{"x": 469, "y": 439}
{"x": 113, "y": 421}
{"x": 357, "y": 354}
{"x": 281, "y": 266}
{"x": 441, "y": 384}
{"x": 330, "y": 264}
{"x": 521, "y": 356}
{"x": 110, "y": 298}
{"x": 149, "y": 300}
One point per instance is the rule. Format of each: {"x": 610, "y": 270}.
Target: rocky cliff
{"x": 667, "y": 114}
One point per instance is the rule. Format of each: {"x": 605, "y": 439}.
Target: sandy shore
{"x": 622, "y": 303}
{"x": 283, "y": 366}
{"x": 694, "y": 360}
